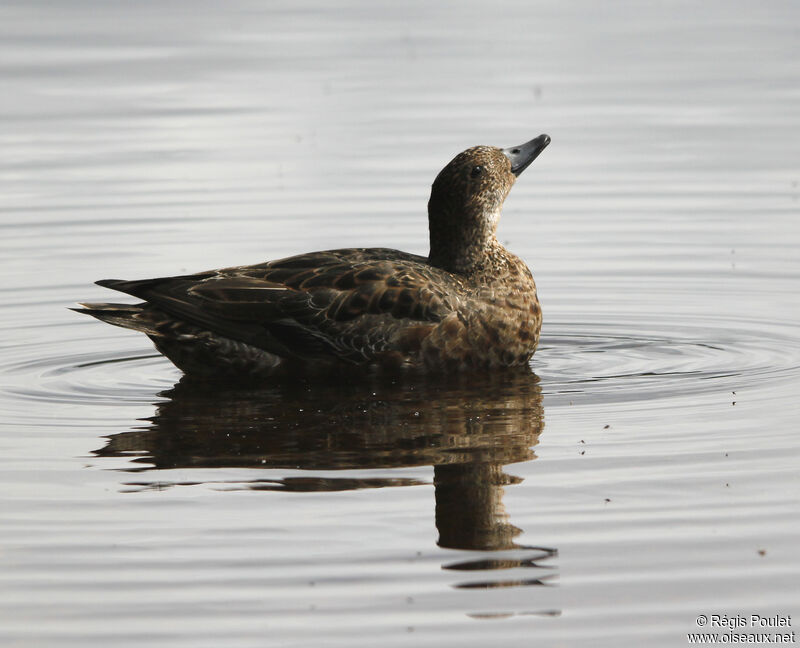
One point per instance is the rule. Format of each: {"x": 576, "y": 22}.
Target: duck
{"x": 470, "y": 305}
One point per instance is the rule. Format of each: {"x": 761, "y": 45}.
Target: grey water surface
{"x": 643, "y": 473}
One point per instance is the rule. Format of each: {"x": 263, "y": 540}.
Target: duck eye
{"x": 476, "y": 171}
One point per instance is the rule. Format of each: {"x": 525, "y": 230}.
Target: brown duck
{"x": 469, "y": 305}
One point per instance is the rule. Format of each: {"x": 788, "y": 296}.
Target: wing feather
{"x": 350, "y": 304}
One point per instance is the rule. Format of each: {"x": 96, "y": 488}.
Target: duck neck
{"x": 463, "y": 245}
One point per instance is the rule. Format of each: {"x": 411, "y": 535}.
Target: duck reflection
{"x": 466, "y": 430}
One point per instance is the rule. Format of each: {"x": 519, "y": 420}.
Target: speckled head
{"x": 467, "y": 198}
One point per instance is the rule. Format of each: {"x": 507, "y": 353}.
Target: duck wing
{"x": 348, "y": 304}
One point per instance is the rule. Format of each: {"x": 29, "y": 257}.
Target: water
{"x": 644, "y": 473}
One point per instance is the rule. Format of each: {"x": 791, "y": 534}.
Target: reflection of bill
{"x": 468, "y": 432}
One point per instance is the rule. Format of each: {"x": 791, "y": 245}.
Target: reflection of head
{"x": 469, "y": 507}
{"x": 467, "y": 431}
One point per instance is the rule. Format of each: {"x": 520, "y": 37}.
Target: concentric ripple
{"x": 594, "y": 361}
{"x": 98, "y": 377}
{"x": 639, "y": 360}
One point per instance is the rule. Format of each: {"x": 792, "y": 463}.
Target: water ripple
{"x": 640, "y": 360}
{"x": 596, "y": 361}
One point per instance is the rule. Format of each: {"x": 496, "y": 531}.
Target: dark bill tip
{"x": 521, "y": 156}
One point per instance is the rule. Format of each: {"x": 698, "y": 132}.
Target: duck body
{"x": 469, "y": 305}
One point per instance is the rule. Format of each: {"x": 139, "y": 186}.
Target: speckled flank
{"x": 470, "y": 305}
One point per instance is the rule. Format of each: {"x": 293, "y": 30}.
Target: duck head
{"x": 467, "y": 198}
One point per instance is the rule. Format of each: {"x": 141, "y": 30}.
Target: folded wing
{"x": 348, "y": 304}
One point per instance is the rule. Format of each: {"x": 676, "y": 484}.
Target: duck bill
{"x": 521, "y": 156}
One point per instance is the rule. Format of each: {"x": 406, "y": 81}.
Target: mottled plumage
{"x": 470, "y": 305}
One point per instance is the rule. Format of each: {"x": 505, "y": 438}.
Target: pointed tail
{"x": 130, "y": 316}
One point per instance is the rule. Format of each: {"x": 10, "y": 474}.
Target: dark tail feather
{"x": 130, "y": 316}
{"x": 129, "y": 287}
{"x": 141, "y": 287}
{"x": 109, "y": 283}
